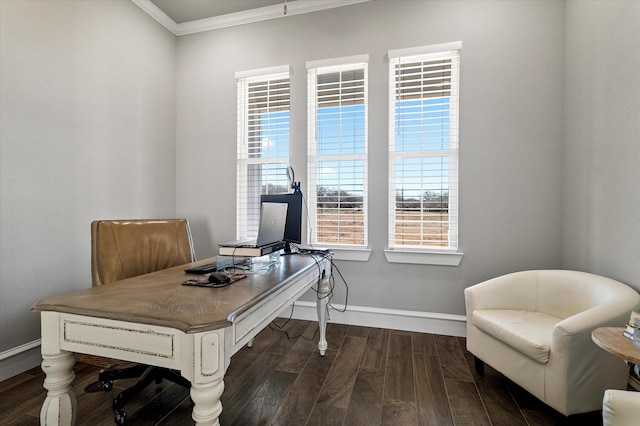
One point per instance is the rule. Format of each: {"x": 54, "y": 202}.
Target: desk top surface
{"x": 159, "y": 298}
{"x": 611, "y": 340}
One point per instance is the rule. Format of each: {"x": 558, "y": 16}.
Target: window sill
{"x": 444, "y": 258}
{"x": 360, "y": 254}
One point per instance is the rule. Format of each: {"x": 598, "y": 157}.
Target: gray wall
{"x": 87, "y": 132}
{"x": 601, "y": 179}
{"x": 90, "y": 91}
{"x": 510, "y": 132}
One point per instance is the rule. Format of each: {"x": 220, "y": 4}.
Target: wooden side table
{"x": 612, "y": 340}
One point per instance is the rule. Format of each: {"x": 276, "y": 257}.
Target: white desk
{"x": 154, "y": 320}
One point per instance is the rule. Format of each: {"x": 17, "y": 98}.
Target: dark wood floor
{"x": 369, "y": 376}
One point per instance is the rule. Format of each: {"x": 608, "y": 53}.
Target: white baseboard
{"x": 394, "y": 319}
{"x": 27, "y": 356}
{"x": 20, "y": 359}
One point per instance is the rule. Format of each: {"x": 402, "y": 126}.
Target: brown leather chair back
{"x": 127, "y": 248}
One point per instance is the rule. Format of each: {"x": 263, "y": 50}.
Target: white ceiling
{"x": 192, "y": 16}
{"x": 190, "y": 10}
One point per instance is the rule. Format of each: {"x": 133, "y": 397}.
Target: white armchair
{"x": 535, "y": 328}
{"x": 621, "y": 408}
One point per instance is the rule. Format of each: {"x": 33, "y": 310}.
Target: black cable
{"x": 286, "y": 333}
{"x": 317, "y": 257}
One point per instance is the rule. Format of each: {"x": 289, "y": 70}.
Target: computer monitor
{"x": 293, "y": 226}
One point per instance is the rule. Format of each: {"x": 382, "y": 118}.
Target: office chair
{"x": 127, "y": 248}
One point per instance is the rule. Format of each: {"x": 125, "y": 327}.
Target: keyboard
{"x": 216, "y": 266}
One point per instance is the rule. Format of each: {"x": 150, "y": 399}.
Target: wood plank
{"x": 498, "y": 401}
{"x": 424, "y": 343}
{"x": 326, "y": 415}
{"x": 358, "y": 331}
{"x": 180, "y": 416}
{"x": 438, "y": 400}
{"x": 162, "y": 404}
{"x": 466, "y": 406}
{"x": 454, "y": 365}
{"x": 14, "y": 381}
{"x": 30, "y": 397}
{"x": 398, "y": 413}
{"x": 539, "y": 418}
{"x": 248, "y": 355}
{"x": 295, "y": 360}
{"x": 495, "y": 394}
{"x": 234, "y": 399}
{"x": 262, "y": 407}
{"x": 336, "y": 334}
{"x": 399, "y": 372}
{"x": 292, "y": 328}
{"x": 375, "y": 354}
{"x": 24, "y": 420}
{"x": 298, "y": 404}
{"x": 289, "y": 334}
{"x": 365, "y": 406}
{"x": 342, "y": 376}
{"x": 431, "y": 396}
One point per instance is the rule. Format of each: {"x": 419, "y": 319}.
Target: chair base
{"x": 146, "y": 375}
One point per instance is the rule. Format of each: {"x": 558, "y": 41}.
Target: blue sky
{"x": 424, "y": 125}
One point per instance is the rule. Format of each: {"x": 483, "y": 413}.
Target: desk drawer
{"x": 121, "y": 340}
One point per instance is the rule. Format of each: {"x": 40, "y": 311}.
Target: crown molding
{"x": 297, "y": 7}
{"x": 153, "y": 11}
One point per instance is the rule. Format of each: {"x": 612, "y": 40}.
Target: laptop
{"x": 273, "y": 217}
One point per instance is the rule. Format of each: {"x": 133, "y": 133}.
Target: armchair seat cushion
{"x": 527, "y": 332}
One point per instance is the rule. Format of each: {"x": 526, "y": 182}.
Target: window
{"x": 263, "y": 142}
{"x": 423, "y": 148}
{"x": 337, "y": 151}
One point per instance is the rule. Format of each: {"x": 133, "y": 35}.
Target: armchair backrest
{"x": 559, "y": 293}
{"x": 563, "y": 293}
{"x": 127, "y": 248}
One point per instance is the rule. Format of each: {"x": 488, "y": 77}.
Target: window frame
{"x": 422, "y": 253}
{"x": 326, "y": 67}
{"x": 247, "y": 196}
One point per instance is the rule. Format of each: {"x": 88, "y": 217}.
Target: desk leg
{"x": 207, "y": 406}
{"x": 322, "y": 305}
{"x": 59, "y": 408}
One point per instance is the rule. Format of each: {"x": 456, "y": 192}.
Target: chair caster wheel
{"x": 120, "y": 417}
{"x": 102, "y": 386}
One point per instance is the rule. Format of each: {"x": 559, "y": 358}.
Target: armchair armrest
{"x": 614, "y": 313}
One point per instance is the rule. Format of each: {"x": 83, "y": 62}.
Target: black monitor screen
{"x": 293, "y": 226}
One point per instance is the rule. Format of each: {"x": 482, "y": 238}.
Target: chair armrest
{"x": 576, "y": 362}
{"x": 620, "y": 408}
{"x": 611, "y": 314}
{"x": 572, "y": 336}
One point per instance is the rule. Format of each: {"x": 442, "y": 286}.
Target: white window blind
{"x": 423, "y": 148}
{"x": 337, "y": 153}
{"x": 263, "y": 144}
